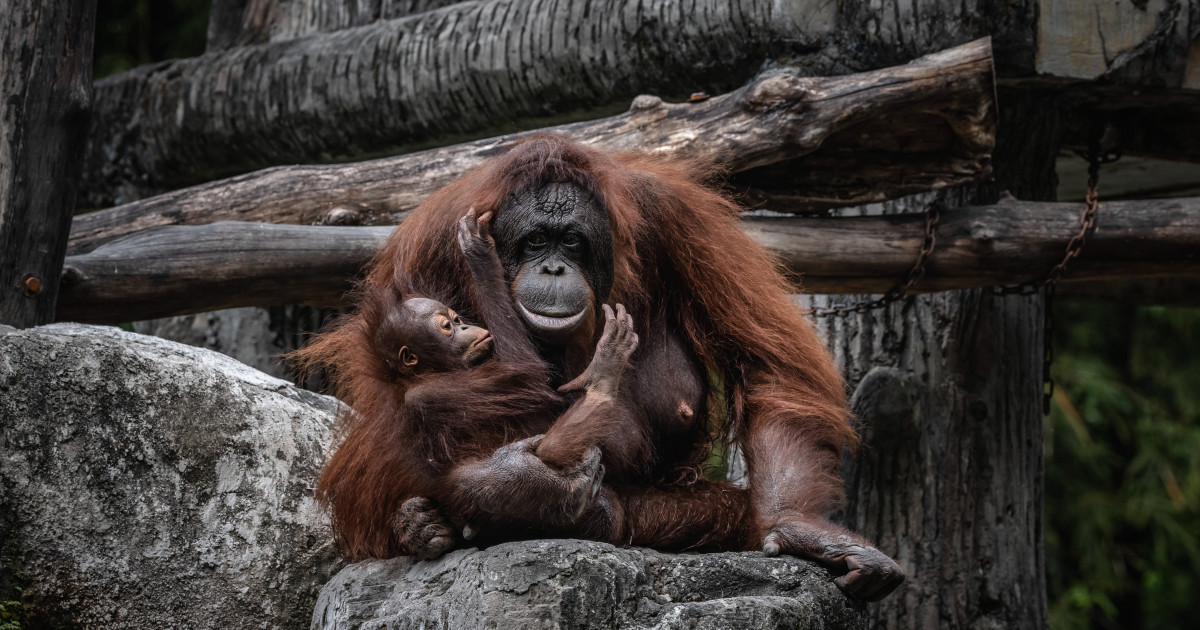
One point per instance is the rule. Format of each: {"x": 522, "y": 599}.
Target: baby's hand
{"x": 616, "y": 345}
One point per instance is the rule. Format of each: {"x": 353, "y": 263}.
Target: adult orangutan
{"x": 723, "y": 353}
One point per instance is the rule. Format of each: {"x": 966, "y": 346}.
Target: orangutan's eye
{"x": 571, "y": 240}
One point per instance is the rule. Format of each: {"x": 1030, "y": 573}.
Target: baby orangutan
{"x": 474, "y": 405}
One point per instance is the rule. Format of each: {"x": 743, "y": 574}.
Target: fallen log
{"x": 464, "y": 69}
{"x": 939, "y": 132}
{"x": 173, "y": 270}
{"x": 234, "y": 23}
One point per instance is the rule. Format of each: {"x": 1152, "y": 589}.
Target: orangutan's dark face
{"x": 556, "y": 245}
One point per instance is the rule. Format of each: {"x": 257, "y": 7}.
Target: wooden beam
{"x": 173, "y": 270}
{"x": 45, "y": 97}
{"x": 940, "y": 132}
{"x": 1010, "y": 242}
{"x": 467, "y": 70}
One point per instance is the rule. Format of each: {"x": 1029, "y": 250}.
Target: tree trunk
{"x": 949, "y": 475}
{"x": 462, "y": 70}
{"x": 942, "y": 108}
{"x": 234, "y": 23}
{"x": 45, "y": 96}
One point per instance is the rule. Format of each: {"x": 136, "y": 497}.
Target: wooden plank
{"x": 941, "y": 129}
{"x": 45, "y": 97}
{"x": 172, "y": 270}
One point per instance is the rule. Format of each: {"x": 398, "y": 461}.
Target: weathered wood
{"x": 45, "y": 96}
{"x": 941, "y": 113}
{"x": 1144, "y": 42}
{"x": 426, "y": 78}
{"x": 1010, "y": 242}
{"x": 172, "y": 270}
{"x": 949, "y": 476}
{"x": 235, "y": 23}
{"x": 187, "y": 269}
{"x": 460, "y": 70}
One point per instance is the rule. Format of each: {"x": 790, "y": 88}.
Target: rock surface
{"x": 567, "y": 584}
{"x": 242, "y": 333}
{"x": 147, "y": 484}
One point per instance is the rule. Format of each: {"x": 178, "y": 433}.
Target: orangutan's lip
{"x": 481, "y": 341}
{"x": 548, "y": 322}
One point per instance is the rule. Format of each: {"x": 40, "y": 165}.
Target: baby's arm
{"x": 601, "y": 418}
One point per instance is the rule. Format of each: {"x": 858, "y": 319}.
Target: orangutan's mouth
{"x": 551, "y": 322}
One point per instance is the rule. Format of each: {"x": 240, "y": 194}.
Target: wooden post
{"x": 949, "y": 476}
{"x": 45, "y": 98}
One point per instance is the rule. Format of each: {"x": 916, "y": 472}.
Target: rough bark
{"x": 165, "y": 271}
{"x": 386, "y": 85}
{"x": 822, "y": 130}
{"x": 1142, "y": 42}
{"x": 1010, "y": 242}
{"x": 460, "y": 70}
{"x": 235, "y": 23}
{"x": 949, "y": 476}
{"x": 185, "y": 269}
{"x": 45, "y": 97}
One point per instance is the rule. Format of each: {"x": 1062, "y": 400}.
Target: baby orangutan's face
{"x": 438, "y": 338}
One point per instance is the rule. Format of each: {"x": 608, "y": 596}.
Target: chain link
{"x": 1087, "y": 224}
{"x": 933, "y": 214}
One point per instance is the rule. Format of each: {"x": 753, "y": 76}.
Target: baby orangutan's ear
{"x": 407, "y": 357}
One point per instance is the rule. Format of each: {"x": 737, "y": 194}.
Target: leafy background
{"x": 1122, "y": 446}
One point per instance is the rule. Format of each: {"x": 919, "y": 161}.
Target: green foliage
{"x": 131, "y": 33}
{"x": 10, "y": 614}
{"x": 12, "y": 579}
{"x": 1123, "y": 467}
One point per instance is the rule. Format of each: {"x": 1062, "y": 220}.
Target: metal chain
{"x": 1087, "y": 224}
{"x": 932, "y": 216}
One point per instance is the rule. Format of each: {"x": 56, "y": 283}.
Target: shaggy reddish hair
{"x": 678, "y": 248}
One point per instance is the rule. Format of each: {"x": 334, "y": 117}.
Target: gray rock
{"x": 147, "y": 484}
{"x": 242, "y": 333}
{"x": 565, "y": 584}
